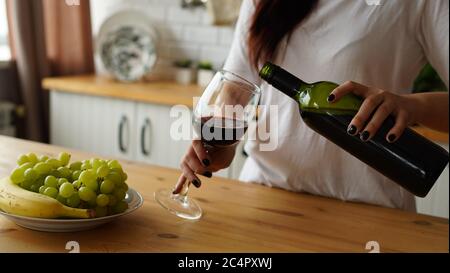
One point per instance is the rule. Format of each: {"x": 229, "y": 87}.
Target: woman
{"x": 348, "y": 42}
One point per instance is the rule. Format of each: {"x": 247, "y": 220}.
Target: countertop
{"x": 238, "y": 217}
{"x": 157, "y": 92}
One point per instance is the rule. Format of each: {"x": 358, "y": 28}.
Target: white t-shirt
{"x": 384, "y": 46}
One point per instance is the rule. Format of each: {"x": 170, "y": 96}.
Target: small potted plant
{"x": 183, "y": 73}
{"x": 205, "y": 73}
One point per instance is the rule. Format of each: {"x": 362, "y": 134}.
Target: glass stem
{"x": 182, "y": 196}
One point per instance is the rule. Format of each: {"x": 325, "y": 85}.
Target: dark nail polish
{"x": 331, "y": 98}
{"x": 351, "y": 130}
{"x": 196, "y": 183}
{"x": 206, "y": 162}
{"x": 208, "y": 174}
{"x": 365, "y": 135}
{"x": 392, "y": 137}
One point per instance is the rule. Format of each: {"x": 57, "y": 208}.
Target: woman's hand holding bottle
{"x": 427, "y": 109}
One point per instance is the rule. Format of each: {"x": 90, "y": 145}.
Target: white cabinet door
{"x": 155, "y": 143}
{"x": 180, "y": 134}
{"x": 58, "y": 127}
{"x": 74, "y": 121}
{"x": 121, "y": 119}
{"x": 94, "y": 124}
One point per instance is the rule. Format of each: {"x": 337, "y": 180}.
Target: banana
{"x": 18, "y": 201}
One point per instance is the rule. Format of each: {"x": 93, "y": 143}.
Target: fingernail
{"x": 351, "y": 130}
{"x": 206, "y": 162}
{"x": 392, "y": 137}
{"x": 365, "y": 135}
{"x": 331, "y": 98}
{"x": 196, "y": 183}
{"x": 208, "y": 174}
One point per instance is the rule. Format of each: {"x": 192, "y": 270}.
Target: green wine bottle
{"x": 413, "y": 161}
{"x": 312, "y": 97}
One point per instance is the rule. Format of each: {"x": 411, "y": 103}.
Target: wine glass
{"x": 220, "y": 119}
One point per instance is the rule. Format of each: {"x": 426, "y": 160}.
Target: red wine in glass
{"x": 216, "y": 127}
{"x": 220, "y": 131}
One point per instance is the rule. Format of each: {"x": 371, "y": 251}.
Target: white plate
{"x": 133, "y": 198}
{"x": 126, "y": 45}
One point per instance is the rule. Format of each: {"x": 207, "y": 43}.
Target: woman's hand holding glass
{"x": 220, "y": 120}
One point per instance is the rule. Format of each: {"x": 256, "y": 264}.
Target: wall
{"x": 183, "y": 33}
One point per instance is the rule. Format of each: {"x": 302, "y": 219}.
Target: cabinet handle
{"x": 122, "y": 124}
{"x": 144, "y": 128}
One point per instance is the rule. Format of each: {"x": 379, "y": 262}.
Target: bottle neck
{"x": 311, "y": 97}
{"x": 282, "y": 80}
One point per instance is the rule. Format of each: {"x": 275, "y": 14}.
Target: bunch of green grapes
{"x": 89, "y": 184}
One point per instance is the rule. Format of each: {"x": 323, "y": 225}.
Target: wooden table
{"x": 237, "y": 217}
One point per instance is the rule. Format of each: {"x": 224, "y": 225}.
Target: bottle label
{"x": 313, "y": 98}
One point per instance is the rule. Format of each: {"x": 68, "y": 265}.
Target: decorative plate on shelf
{"x": 126, "y": 45}
{"x": 133, "y": 198}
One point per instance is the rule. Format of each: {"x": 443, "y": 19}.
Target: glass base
{"x": 182, "y": 206}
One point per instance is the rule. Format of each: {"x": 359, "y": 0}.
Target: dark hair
{"x": 272, "y": 20}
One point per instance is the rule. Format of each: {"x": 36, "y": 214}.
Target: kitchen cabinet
{"x": 154, "y": 143}
{"x": 90, "y": 123}
{"x": 124, "y": 129}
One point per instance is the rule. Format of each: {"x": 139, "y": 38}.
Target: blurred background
{"x": 57, "y": 38}
{"x": 72, "y": 71}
